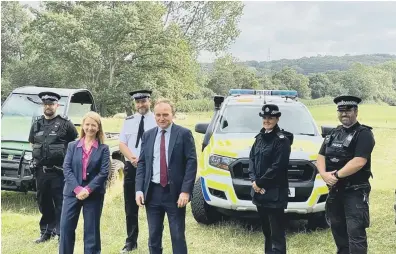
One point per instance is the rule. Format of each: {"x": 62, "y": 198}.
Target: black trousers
{"x": 272, "y": 224}
{"x": 131, "y": 208}
{"x": 348, "y": 214}
{"x": 160, "y": 201}
{"x": 49, "y": 199}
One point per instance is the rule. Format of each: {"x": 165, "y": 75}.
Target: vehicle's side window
{"x": 80, "y": 104}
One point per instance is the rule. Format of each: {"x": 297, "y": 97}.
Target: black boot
{"x": 128, "y": 247}
{"x": 43, "y": 238}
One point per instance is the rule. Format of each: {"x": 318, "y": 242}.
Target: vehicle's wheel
{"x": 318, "y": 220}
{"x": 202, "y": 212}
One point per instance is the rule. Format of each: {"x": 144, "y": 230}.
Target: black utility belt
{"x": 48, "y": 169}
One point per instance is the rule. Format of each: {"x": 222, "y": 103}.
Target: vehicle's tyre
{"x": 202, "y": 212}
{"x": 318, "y": 220}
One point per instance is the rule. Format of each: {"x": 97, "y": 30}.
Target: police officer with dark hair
{"x": 269, "y": 159}
{"x": 49, "y": 136}
{"x": 130, "y": 146}
{"x": 344, "y": 162}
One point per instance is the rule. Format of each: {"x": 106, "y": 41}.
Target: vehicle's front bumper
{"x": 218, "y": 190}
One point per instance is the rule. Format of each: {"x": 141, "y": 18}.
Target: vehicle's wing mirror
{"x": 201, "y": 127}
{"x": 326, "y": 130}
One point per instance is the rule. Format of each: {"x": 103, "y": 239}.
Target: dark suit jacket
{"x": 97, "y": 169}
{"x": 182, "y": 165}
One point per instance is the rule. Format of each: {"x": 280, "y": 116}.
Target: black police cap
{"x": 49, "y": 97}
{"x": 140, "y": 94}
{"x": 270, "y": 110}
{"x": 347, "y": 101}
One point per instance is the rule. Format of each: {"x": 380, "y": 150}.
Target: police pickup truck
{"x": 223, "y": 186}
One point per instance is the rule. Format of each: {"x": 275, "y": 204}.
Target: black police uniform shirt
{"x": 70, "y": 133}
{"x": 361, "y": 145}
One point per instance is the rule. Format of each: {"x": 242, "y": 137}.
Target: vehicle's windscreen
{"x": 246, "y": 119}
{"x": 27, "y": 105}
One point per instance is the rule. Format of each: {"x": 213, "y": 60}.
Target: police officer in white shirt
{"x": 130, "y": 143}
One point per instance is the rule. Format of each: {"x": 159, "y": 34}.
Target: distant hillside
{"x": 316, "y": 64}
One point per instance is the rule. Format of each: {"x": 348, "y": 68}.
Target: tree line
{"x": 112, "y": 48}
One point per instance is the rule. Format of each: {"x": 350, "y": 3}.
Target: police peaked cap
{"x": 346, "y": 102}
{"x": 49, "y": 97}
{"x": 140, "y": 94}
{"x": 270, "y": 110}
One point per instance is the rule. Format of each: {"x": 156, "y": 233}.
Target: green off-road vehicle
{"x": 18, "y": 111}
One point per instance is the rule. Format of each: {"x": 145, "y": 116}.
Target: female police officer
{"x": 269, "y": 158}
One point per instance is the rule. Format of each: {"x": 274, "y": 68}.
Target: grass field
{"x": 20, "y": 215}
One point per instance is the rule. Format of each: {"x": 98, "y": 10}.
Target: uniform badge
{"x": 266, "y": 109}
{"x": 334, "y": 160}
{"x": 282, "y": 136}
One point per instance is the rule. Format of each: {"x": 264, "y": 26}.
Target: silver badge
{"x": 266, "y": 109}
{"x": 334, "y": 160}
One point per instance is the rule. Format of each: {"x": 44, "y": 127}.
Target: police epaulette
{"x": 366, "y": 126}
{"x": 64, "y": 117}
{"x": 36, "y": 118}
{"x": 129, "y": 117}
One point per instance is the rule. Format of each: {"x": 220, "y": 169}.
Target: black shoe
{"x": 128, "y": 248}
{"x": 43, "y": 238}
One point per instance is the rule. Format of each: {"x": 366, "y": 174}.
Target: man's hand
{"x": 83, "y": 194}
{"x": 183, "y": 199}
{"x": 134, "y": 161}
{"x": 140, "y": 199}
{"x": 329, "y": 178}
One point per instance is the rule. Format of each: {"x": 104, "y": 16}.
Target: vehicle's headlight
{"x": 28, "y": 156}
{"x": 220, "y": 161}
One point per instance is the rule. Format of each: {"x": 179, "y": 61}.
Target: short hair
{"x": 166, "y": 101}
{"x": 96, "y": 117}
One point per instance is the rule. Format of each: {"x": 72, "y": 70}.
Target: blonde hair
{"x": 96, "y": 117}
{"x": 166, "y": 101}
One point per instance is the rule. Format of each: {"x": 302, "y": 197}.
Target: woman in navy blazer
{"x": 85, "y": 168}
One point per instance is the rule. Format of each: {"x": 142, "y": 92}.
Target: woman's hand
{"x": 257, "y": 189}
{"x": 83, "y": 194}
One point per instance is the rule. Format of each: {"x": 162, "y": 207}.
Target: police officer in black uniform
{"x": 269, "y": 159}
{"x": 49, "y": 136}
{"x": 344, "y": 162}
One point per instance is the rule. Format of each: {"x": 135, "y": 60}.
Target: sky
{"x": 289, "y": 30}
{"x": 296, "y": 29}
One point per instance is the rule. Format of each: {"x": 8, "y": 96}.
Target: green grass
{"x": 20, "y": 215}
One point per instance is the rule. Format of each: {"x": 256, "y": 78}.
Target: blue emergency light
{"x": 283, "y": 93}
{"x": 289, "y": 93}
{"x": 241, "y": 91}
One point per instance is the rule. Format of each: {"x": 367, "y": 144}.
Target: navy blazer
{"x": 182, "y": 161}
{"x": 97, "y": 168}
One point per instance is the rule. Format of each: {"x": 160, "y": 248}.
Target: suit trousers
{"x": 160, "y": 201}
{"x": 131, "y": 208}
{"x": 92, "y": 211}
{"x": 272, "y": 223}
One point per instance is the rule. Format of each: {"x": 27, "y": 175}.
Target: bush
{"x": 199, "y": 105}
{"x": 317, "y": 102}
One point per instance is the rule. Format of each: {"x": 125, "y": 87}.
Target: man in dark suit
{"x": 165, "y": 177}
